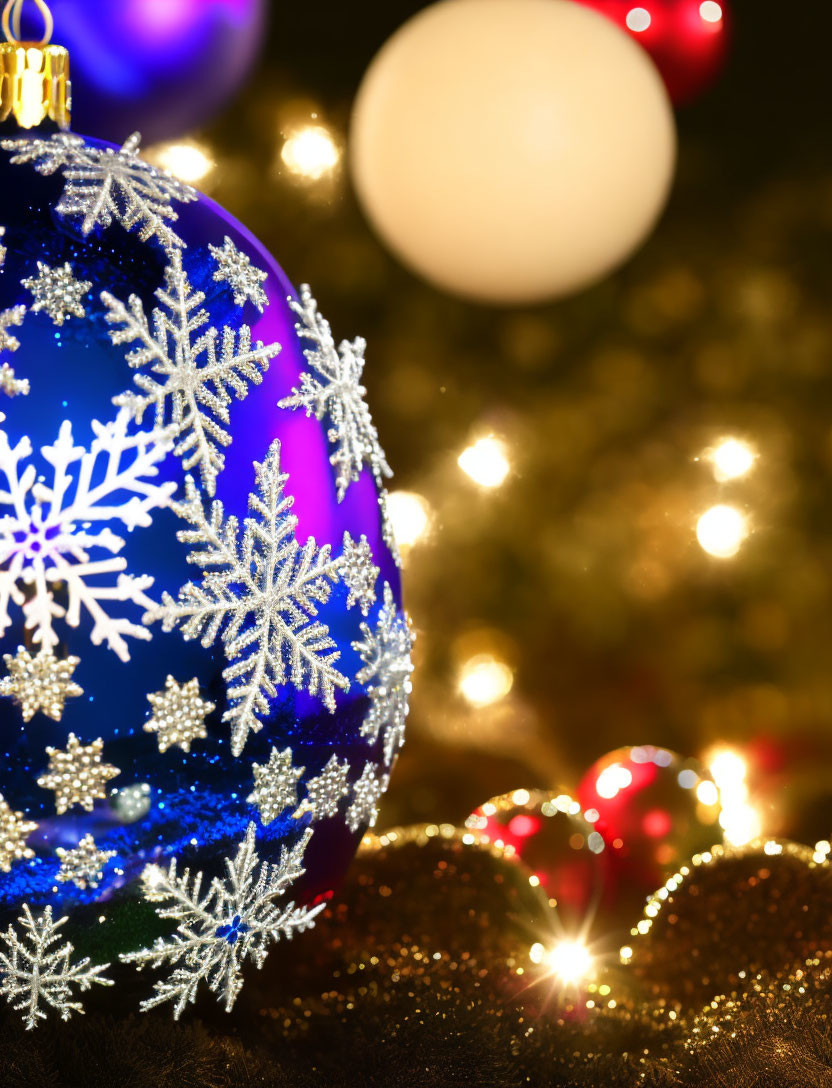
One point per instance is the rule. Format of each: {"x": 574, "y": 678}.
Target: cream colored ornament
{"x": 512, "y": 150}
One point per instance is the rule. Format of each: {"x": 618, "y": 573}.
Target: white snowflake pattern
{"x": 275, "y": 785}
{"x": 325, "y": 791}
{"x": 40, "y": 682}
{"x": 179, "y": 714}
{"x": 35, "y": 973}
{"x": 359, "y": 573}
{"x": 193, "y": 368}
{"x": 84, "y": 864}
{"x": 236, "y": 920}
{"x": 366, "y": 792}
{"x": 332, "y": 386}
{"x": 260, "y": 596}
{"x": 57, "y": 292}
{"x": 103, "y": 185}
{"x": 10, "y": 384}
{"x": 385, "y": 651}
{"x": 235, "y": 268}
{"x": 58, "y": 553}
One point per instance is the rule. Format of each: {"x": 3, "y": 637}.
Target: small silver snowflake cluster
{"x": 235, "y": 268}
{"x": 84, "y": 864}
{"x": 15, "y": 829}
{"x": 57, "y": 292}
{"x": 77, "y": 774}
{"x": 178, "y": 715}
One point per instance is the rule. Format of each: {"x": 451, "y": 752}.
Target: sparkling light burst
{"x": 569, "y": 960}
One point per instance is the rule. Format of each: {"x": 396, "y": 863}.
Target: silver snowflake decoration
{"x": 178, "y": 715}
{"x": 11, "y": 319}
{"x": 188, "y": 369}
{"x": 385, "y": 651}
{"x": 2, "y": 247}
{"x": 275, "y": 785}
{"x": 57, "y": 292}
{"x": 40, "y": 681}
{"x": 37, "y": 972}
{"x": 358, "y": 573}
{"x": 332, "y": 387}
{"x": 325, "y": 791}
{"x": 78, "y": 775}
{"x": 366, "y": 792}
{"x": 235, "y": 268}
{"x": 15, "y": 829}
{"x": 105, "y": 185}
{"x": 235, "y": 920}
{"x": 58, "y": 536}
{"x": 260, "y": 595}
{"x": 84, "y": 864}
{"x": 10, "y": 384}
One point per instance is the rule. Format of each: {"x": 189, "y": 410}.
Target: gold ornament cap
{"x": 34, "y": 76}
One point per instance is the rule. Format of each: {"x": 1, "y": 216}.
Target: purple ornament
{"x": 206, "y": 663}
{"x": 162, "y": 67}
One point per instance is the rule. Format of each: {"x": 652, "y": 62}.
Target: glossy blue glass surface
{"x": 198, "y": 810}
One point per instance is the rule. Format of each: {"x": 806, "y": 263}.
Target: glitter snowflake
{"x": 58, "y": 552}
{"x": 325, "y": 791}
{"x": 84, "y": 864}
{"x": 40, "y": 682}
{"x": 235, "y": 268}
{"x": 260, "y": 596}
{"x": 35, "y": 973}
{"x": 275, "y": 785}
{"x": 14, "y": 831}
{"x": 366, "y": 792}
{"x": 192, "y": 374}
{"x": 385, "y": 651}
{"x": 236, "y": 920}
{"x": 178, "y": 715}
{"x": 103, "y": 185}
{"x": 57, "y": 292}
{"x": 10, "y": 384}
{"x": 332, "y": 387}
{"x": 78, "y": 775}
{"x": 10, "y": 319}
{"x": 358, "y": 573}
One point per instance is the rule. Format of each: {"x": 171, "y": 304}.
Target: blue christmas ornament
{"x": 206, "y": 665}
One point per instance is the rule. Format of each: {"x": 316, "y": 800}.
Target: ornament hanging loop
{"x": 11, "y": 22}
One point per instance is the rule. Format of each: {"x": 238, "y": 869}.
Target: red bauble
{"x": 654, "y": 811}
{"x": 686, "y": 38}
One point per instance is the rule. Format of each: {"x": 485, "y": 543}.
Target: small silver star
{"x": 236, "y": 269}
{"x": 78, "y": 775}
{"x": 178, "y": 714}
{"x": 366, "y": 793}
{"x": 324, "y": 792}
{"x": 14, "y": 830}
{"x": 358, "y": 573}
{"x": 275, "y": 785}
{"x": 57, "y": 291}
{"x": 84, "y": 864}
{"x": 43, "y": 682}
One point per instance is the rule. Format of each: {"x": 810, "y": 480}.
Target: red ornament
{"x": 654, "y": 811}
{"x": 686, "y": 38}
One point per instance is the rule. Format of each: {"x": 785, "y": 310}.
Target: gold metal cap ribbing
{"x": 34, "y": 76}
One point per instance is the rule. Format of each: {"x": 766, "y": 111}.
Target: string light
{"x": 485, "y": 462}
{"x": 732, "y": 459}
{"x": 721, "y": 531}
{"x": 189, "y": 161}
{"x": 310, "y": 152}
{"x": 411, "y": 516}
{"x": 484, "y": 680}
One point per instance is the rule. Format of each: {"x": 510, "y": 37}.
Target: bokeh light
{"x": 411, "y": 516}
{"x": 310, "y": 152}
{"x": 188, "y": 160}
{"x": 638, "y": 19}
{"x": 710, "y": 11}
{"x": 485, "y": 462}
{"x": 485, "y": 679}
{"x": 721, "y": 531}
{"x": 739, "y": 820}
{"x": 732, "y": 458}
